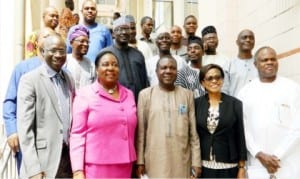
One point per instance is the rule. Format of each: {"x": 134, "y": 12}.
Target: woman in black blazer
{"x": 220, "y": 128}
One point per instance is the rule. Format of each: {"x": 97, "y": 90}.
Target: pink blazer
{"x": 103, "y": 129}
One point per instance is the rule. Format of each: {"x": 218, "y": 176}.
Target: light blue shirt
{"x": 100, "y": 37}
{"x": 10, "y": 101}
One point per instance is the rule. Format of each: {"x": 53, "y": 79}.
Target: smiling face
{"x": 194, "y": 51}
{"x": 54, "y": 52}
{"x": 50, "y": 17}
{"x": 213, "y": 81}
{"x": 166, "y": 72}
{"x": 108, "y": 70}
{"x": 163, "y": 42}
{"x": 80, "y": 45}
{"x": 266, "y": 64}
{"x": 245, "y": 40}
{"x": 122, "y": 35}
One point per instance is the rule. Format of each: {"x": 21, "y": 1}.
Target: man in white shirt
{"x": 272, "y": 120}
{"x": 163, "y": 42}
{"x": 241, "y": 69}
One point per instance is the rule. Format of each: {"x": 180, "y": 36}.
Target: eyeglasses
{"x": 122, "y": 30}
{"x": 82, "y": 41}
{"x": 57, "y": 51}
{"x": 211, "y": 78}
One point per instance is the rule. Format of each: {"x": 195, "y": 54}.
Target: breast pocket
{"x": 182, "y": 120}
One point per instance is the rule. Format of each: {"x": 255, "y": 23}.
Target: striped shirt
{"x": 188, "y": 78}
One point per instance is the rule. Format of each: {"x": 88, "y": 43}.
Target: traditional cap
{"x": 208, "y": 30}
{"x": 121, "y": 21}
{"x": 78, "y": 30}
{"x": 130, "y": 18}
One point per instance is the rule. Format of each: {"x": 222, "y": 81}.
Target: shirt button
{"x": 61, "y": 131}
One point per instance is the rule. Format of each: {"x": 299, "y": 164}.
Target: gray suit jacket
{"x": 39, "y": 123}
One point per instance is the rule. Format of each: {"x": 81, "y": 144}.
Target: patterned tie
{"x": 64, "y": 104}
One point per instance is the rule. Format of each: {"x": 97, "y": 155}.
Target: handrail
{"x": 8, "y": 167}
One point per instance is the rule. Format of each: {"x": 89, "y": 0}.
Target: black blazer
{"x": 228, "y": 141}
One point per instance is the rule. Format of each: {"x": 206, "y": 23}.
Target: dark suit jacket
{"x": 228, "y": 141}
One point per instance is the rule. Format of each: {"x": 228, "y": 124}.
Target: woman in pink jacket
{"x": 103, "y": 126}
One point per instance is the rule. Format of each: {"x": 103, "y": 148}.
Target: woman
{"x": 220, "y": 128}
{"x": 104, "y": 122}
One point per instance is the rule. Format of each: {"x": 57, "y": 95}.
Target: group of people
{"x": 88, "y": 106}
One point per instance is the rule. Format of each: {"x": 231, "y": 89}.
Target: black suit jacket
{"x": 228, "y": 141}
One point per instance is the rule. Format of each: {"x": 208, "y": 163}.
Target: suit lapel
{"x": 71, "y": 91}
{"x": 49, "y": 87}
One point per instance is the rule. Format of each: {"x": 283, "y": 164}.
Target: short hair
{"x": 189, "y": 16}
{"x": 206, "y": 68}
{"x": 117, "y": 14}
{"x": 261, "y": 49}
{"x": 208, "y": 29}
{"x": 143, "y": 20}
{"x": 195, "y": 39}
{"x": 170, "y": 57}
{"x": 101, "y": 54}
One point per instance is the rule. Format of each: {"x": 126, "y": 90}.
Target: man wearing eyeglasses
{"x": 100, "y": 36}
{"x": 81, "y": 68}
{"x": 133, "y": 73}
{"x": 44, "y": 115}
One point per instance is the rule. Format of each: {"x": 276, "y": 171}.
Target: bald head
{"x": 50, "y": 17}
{"x": 43, "y": 34}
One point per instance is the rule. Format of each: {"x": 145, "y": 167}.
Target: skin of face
{"x": 167, "y": 72}
{"x": 164, "y": 41}
{"x": 267, "y": 64}
{"x": 211, "y": 42}
{"x": 80, "y": 45}
{"x": 213, "y": 86}
{"x": 108, "y": 70}
{"x": 122, "y": 34}
{"x": 89, "y": 12}
{"x": 190, "y": 26}
{"x": 50, "y": 17}
{"x": 54, "y": 52}
{"x": 194, "y": 51}
{"x": 132, "y": 27}
{"x": 147, "y": 27}
{"x": 246, "y": 40}
{"x": 176, "y": 34}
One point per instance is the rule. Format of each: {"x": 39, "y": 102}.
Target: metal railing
{"x": 8, "y": 168}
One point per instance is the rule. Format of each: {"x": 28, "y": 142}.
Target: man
{"x": 190, "y": 27}
{"x": 272, "y": 123}
{"x": 138, "y": 44}
{"x": 80, "y": 67}
{"x": 167, "y": 141}
{"x": 147, "y": 27}
{"x": 133, "y": 73}
{"x": 163, "y": 42}
{"x": 211, "y": 56}
{"x": 50, "y": 20}
{"x": 10, "y": 101}
{"x": 44, "y": 114}
{"x": 177, "y": 48}
{"x": 100, "y": 36}
{"x": 188, "y": 76}
{"x": 242, "y": 69}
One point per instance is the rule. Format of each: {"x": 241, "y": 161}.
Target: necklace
{"x": 112, "y": 90}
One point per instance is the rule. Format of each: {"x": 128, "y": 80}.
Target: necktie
{"x": 64, "y": 104}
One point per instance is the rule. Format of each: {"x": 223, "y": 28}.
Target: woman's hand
{"x": 196, "y": 172}
{"x": 78, "y": 175}
{"x": 140, "y": 170}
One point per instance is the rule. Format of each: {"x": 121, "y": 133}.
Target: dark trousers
{"x": 64, "y": 169}
{"x": 219, "y": 173}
